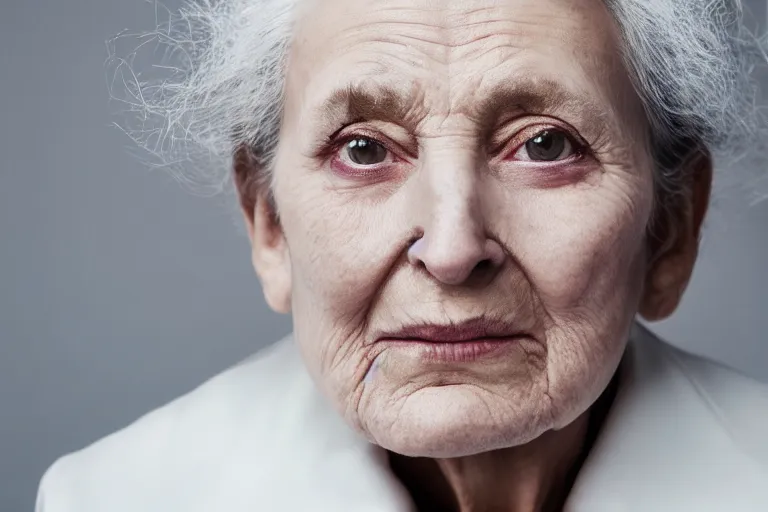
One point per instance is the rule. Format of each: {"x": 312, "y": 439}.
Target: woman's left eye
{"x": 365, "y": 151}
{"x": 548, "y": 145}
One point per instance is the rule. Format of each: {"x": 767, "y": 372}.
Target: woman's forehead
{"x": 443, "y": 57}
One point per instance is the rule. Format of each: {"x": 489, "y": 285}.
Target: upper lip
{"x": 453, "y": 333}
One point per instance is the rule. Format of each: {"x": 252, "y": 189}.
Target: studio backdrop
{"x": 120, "y": 290}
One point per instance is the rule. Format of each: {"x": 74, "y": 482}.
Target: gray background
{"x": 119, "y": 290}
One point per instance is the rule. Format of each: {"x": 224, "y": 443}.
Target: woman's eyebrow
{"x": 372, "y": 100}
{"x": 537, "y": 96}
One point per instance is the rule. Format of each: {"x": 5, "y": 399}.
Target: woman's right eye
{"x": 365, "y": 151}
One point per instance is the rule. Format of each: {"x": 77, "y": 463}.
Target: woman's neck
{"x": 535, "y": 477}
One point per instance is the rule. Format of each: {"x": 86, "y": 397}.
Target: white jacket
{"x": 684, "y": 434}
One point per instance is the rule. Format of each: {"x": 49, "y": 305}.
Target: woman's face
{"x": 506, "y": 140}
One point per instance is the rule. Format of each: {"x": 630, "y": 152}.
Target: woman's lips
{"x": 455, "y": 343}
{"x": 453, "y": 352}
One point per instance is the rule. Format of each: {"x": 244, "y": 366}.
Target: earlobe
{"x": 665, "y": 286}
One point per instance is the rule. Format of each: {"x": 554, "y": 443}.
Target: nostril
{"x": 484, "y": 265}
{"x": 482, "y": 273}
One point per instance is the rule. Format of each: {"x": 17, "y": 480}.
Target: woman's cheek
{"x": 577, "y": 244}
{"x": 349, "y": 261}
{"x": 336, "y": 276}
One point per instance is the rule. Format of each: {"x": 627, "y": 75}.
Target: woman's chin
{"x": 445, "y": 422}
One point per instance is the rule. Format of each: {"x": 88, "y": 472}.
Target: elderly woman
{"x": 464, "y": 205}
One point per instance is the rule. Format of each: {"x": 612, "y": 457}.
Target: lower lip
{"x": 459, "y": 351}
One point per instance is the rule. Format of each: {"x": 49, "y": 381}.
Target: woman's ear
{"x": 269, "y": 251}
{"x": 677, "y": 244}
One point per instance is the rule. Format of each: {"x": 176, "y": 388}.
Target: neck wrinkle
{"x": 534, "y": 477}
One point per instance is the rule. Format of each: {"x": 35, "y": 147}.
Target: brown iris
{"x": 364, "y": 151}
{"x": 547, "y": 145}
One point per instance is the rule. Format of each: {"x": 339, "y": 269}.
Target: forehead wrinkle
{"x": 445, "y": 31}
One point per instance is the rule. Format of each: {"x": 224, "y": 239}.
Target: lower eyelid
{"x": 574, "y": 158}
{"x": 353, "y": 171}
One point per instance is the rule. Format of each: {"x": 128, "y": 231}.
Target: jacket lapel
{"x": 663, "y": 446}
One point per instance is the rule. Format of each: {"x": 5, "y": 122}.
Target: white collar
{"x": 670, "y": 441}
{"x": 683, "y": 434}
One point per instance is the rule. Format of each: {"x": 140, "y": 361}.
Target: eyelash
{"x": 331, "y": 146}
{"x": 333, "y": 143}
{"x": 579, "y": 147}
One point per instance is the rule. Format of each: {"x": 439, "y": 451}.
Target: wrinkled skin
{"x": 557, "y": 248}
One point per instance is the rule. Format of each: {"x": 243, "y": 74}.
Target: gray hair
{"x": 220, "y": 86}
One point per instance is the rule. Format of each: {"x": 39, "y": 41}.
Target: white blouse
{"x": 683, "y": 434}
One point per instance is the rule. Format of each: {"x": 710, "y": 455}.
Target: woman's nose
{"x": 458, "y": 258}
{"x": 454, "y": 248}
